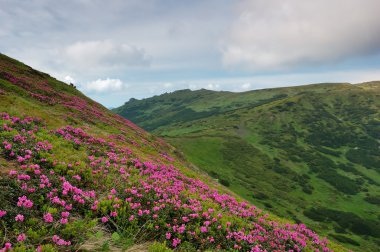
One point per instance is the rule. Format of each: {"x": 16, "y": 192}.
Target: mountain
{"x": 76, "y": 177}
{"x": 308, "y": 153}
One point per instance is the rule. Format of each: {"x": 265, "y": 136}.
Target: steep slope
{"x": 309, "y": 153}
{"x": 73, "y": 173}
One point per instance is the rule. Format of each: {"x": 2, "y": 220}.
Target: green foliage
{"x": 224, "y": 182}
{"x": 80, "y": 229}
{"x": 328, "y": 151}
{"x": 346, "y": 220}
{"x": 341, "y": 183}
{"x": 345, "y": 239}
{"x": 158, "y": 247}
{"x": 374, "y": 199}
{"x": 115, "y": 237}
{"x": 363, "y": 157}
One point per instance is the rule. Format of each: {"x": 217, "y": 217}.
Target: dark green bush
{"x": 224, "y": 182}
{"x": 345, "y": 239}
{"x": 341, "y": 183}
{"x": 346, "y": 220}
{"x": 374, "y": 199}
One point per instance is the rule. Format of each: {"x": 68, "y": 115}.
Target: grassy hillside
{"x": 309, "y": 153}
{"x": 75, "y": 177}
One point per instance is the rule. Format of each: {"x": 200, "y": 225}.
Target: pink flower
{"x": 25, "y": 202}
{"x": 60, "y": 242}
{"x": 19, "y": 218}
{"x": 168, "y": 236}
{"x": 181, "y": 229}
{"x": 65, "y": 214}
{"x": 203, "y": 229}
{"x": 2, "y": 213}
{"x": 176, "y": 241}
{"x": 131, "y": 218}
{"x": 77, "y": 177}
{"x": 55, "y": 238}
{"x": 69, "y": 207}
{"x": 48, "y": 218}
{"x": 104, "y": 219}
{"x": 63, "y": 221}
{"x": 23, "y": 177}
{"x": 21, "y": 237}
{"x": 12, "y": 172}
{"x": 7, "y": 247}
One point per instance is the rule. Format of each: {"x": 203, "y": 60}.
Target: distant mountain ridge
{"x": 310, "y": 153}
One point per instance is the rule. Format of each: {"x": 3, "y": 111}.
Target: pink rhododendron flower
{"x": 12, "y": 172}
{"x": 48, "y": 217}
{"x": 24, "y": 202}
{"x": 19, "y": 218}
{"x": 63, "y": 221}
{"x": 2, "y": 213}
{"x": 104, "y": 219}
{"x": 7, "y": 247}
{"x": 77, "y": 177}
{"x": 65, "y": 214}
{"x": 60, "y": 242}
{"x": 176, "y": 242}
{"x": 203, "y": 229}
{"x": 21, "y": 237}
{"x": 69, "y": 207}
{"x": 168, "y": 235}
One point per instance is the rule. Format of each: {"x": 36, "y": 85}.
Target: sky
{"x": 118, "y": 49}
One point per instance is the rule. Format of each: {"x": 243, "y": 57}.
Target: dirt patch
{"x": 6, "y": 166}
{"x": 242, "y": 131}
{"x": 139, "y": 248}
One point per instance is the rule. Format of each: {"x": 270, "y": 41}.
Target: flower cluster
{"x": 123, "y": 189}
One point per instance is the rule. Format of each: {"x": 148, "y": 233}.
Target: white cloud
{"x": 193, "y": 86}
{"x": 246, "y": 86}
{"x": 272, "y": 34}
{"x": 103, "y": 86}
{"x": 105, "y": 53}
{"x": 213, "y": 86}
{"x": 69, "y": 79}
{"x": 168, "y": 85}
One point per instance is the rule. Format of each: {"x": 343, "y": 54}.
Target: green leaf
{"x": 99, "y": 234}
{"x": 115, "y": 237}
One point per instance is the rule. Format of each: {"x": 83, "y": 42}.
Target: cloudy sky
{"x": 117, "y": 49}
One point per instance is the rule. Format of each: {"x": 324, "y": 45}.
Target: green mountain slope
{"x": 309, "y": 153}
{"x": 76, "y": 177}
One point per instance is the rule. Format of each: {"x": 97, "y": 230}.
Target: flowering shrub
{"x": 57, "y": 201}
